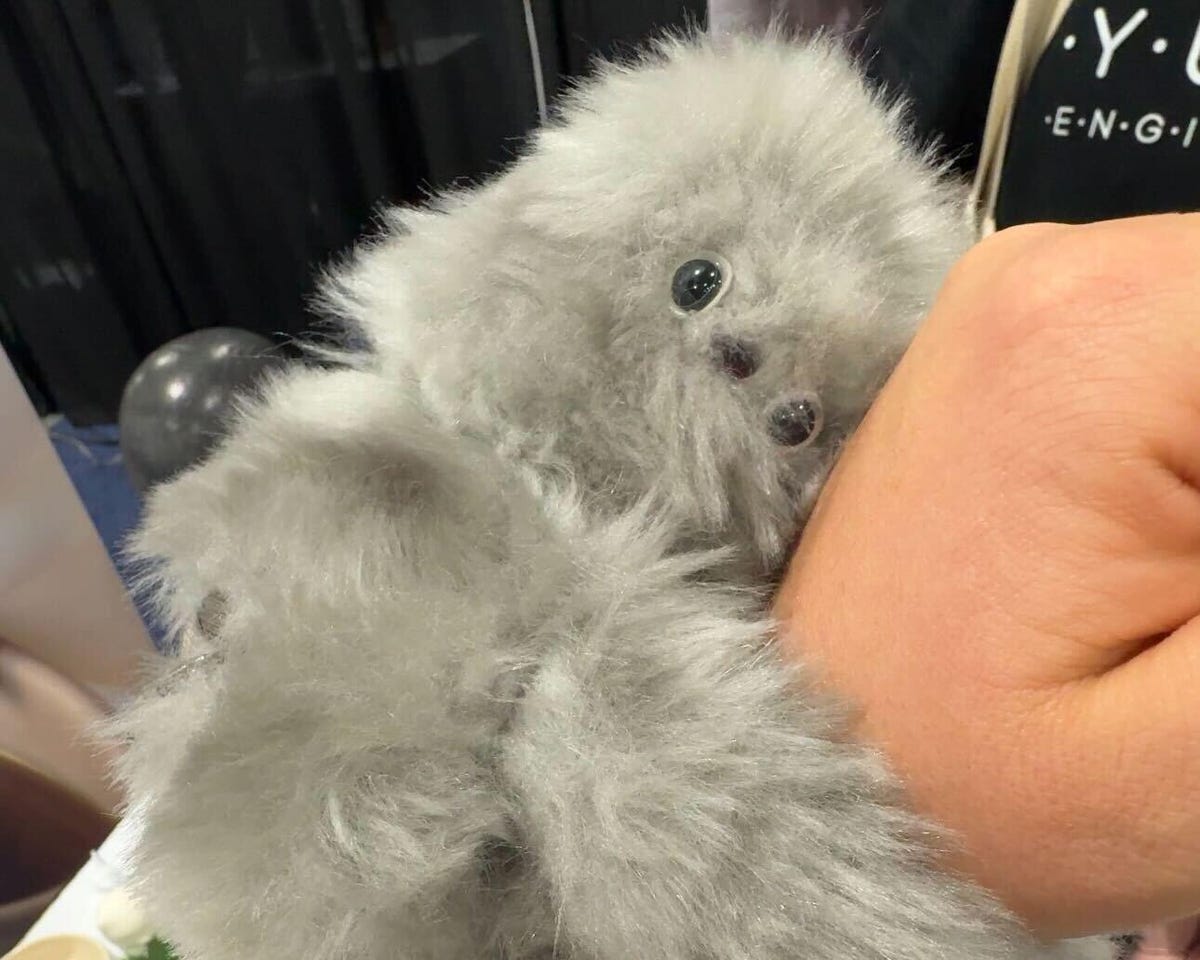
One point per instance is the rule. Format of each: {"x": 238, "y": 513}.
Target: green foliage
{"x": 156, "y": 949}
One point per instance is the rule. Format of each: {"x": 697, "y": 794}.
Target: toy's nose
{"x": 794, "y": 422}
{"x": 737, "y": 358}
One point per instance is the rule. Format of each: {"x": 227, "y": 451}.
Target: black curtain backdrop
{"x": 169, "y": 165}
{"x": 942, "y": 56}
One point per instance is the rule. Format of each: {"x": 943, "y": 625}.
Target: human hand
{"x": 1003, "y": 572}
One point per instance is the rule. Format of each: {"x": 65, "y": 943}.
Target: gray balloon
{"x": 179, "y": 401}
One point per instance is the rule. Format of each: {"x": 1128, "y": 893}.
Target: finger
{"x": 1168, "y": 940}
{"x": 1145, "y": 724}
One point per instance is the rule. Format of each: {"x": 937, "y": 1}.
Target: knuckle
{"x": 1073, "y": 279}
{"x": 1003, "y": 245}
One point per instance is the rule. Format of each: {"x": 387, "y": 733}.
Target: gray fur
{"x": 488, "y": 668}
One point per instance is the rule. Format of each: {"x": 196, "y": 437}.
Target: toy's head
{"x": 689, "y": 288}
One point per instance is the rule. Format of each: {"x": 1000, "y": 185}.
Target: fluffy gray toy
{"x": 477, "y": 661}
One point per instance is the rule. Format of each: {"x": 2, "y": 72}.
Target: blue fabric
{"x": 92, "y": 459}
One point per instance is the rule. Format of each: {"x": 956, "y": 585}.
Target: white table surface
{"x": 74, "y": 910}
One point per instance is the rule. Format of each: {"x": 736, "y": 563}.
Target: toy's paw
{"x": 683, "y": 794}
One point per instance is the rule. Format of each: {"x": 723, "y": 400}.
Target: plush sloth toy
{"x": 476, "y": 660}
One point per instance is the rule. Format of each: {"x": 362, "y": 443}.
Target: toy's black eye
{"x": 795, "y": 423}
{"x": 736, "y": 357}
{"x": 697, "y": 284}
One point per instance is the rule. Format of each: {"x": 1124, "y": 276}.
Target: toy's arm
{"x": 685, "y": 795}
{"x": 314, "y": 787}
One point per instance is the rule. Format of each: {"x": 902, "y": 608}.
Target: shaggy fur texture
{"x": 477, "y": 662}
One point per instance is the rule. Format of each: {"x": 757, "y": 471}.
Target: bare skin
{"x": 1004, "y": 571}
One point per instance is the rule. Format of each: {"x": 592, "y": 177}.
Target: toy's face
{"x": 795, "y": 419}
{"x": 691, "y": 289}
{"x": 743, "y": 339}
